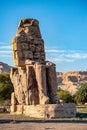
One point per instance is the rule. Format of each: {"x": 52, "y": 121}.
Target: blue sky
{"x": 63, "y": 24}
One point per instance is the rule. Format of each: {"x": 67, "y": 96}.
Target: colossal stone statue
{"x": 34, "y": 78}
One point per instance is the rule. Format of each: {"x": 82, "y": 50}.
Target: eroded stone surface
{"x": 28, "y": 43}
{"x": 35, "y": 83}
{"x": 47, "y": 111}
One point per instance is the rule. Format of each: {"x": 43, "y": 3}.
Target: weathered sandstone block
{"x": 28, "y": 43}
{"x": 47, "y": 111}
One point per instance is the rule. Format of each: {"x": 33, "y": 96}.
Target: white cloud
{"x": 57, "y": 55}
{"x": 2, "y": 42}
{"x": 77, "y": 55}
{"x": 5, "y": 52}
{"x": 55, "y": 51}
{"x": 62, "y": 60}
{"x": 5, "y": 55}
{"x": 5, "y": 47}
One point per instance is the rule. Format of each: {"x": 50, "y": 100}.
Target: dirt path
{"x": 9, "y": 122}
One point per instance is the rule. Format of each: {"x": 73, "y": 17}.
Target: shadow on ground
{"x": 7, "y": 118}
{"x": 81, "y": 115}
{"x": 42, "y": 121}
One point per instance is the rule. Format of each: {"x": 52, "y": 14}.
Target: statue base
{"x": 49, "y": 111}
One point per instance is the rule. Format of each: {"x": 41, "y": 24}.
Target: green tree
{"x": 81, "y": 94}
{"x": 65, "y": 96}
{"x": 6, "y": 87}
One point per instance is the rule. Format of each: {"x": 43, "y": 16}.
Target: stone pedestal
{"x": 47, "y": 111}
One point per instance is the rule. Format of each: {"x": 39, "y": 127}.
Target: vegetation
{"x": 79, "y": 98}
{"x": 81, "y": 95}
{"x": 6, "y": 87}
{"x": 65, "y": 96}
{"x": 81, "y": 111}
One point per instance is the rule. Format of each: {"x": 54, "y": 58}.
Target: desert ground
{"x": 11, "y": 122}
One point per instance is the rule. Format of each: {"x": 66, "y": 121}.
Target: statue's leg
{"x": 16, "y": 79}
{"x": 41, "y": 82}
{"x": 31, "y": 86}
{"x": 52, "y": 83}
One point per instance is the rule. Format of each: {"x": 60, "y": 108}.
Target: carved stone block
{"x": 24, "y": 46}
{"x": 32, "y": 47}
{"x": 16, "y": 47}
{"x": 28, "y": 54}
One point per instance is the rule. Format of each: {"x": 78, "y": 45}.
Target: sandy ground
{"x": 9, "y": 122}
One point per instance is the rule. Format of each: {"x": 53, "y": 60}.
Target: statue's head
{"x": 28, "y": 22}
{"x": 28, "y": 27}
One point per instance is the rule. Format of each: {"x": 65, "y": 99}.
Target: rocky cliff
{"x": 4, "y": 68}
{"x": 71, "y": 81}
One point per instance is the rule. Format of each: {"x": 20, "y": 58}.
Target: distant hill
{"x": 71, "y": 81}
{"x": 4, "y": 68}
